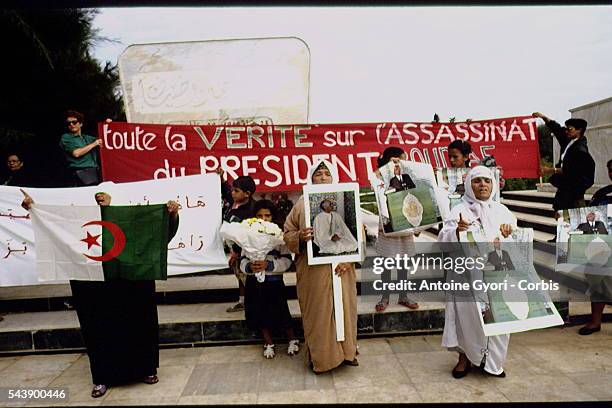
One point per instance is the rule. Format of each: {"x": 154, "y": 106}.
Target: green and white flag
{"x": 101, "y": 242}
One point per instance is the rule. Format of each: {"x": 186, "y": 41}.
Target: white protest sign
{"x": 196, "y": 246}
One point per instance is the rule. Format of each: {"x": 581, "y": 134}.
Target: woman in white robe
{"x": 462, "y": 329}
{"x": 331, "y": 234}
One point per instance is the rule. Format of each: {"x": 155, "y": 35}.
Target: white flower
{"x": 256, "y": 237}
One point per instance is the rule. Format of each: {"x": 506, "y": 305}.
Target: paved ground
{"x": 545, "y": 365}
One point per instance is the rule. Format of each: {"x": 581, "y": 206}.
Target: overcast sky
{"x": 404, "y": 64}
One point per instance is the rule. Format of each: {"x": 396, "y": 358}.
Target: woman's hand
{"x": 173, "y": 208}
{"x": 27, "y": 200}
{"x": 462, "y": 225}
{"x": 258, "y": 266}
{"x": 306, "y": 234}
{"x": 342, "y": 268}
{"x": 505, "y": 229}
{"x": 233, "y": 259}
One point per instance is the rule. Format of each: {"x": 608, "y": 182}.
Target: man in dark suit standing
{"x": 575, "y": 171}
{"x": 499, "y": 258}
{"x": 591, "y": 226}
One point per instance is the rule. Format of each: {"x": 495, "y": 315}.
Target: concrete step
{"x": 529, "y": 207}
{"x": 205, "y": 324}
{"x": 534, "y": 196}
{"x": 185, "y": 325}
{"x": 217, "y": 287}
{"x": 537, "y": 222}
{"x": 572, "y": 283}
{"x": 530, "y": 196}
{"x": 175, "y": 290}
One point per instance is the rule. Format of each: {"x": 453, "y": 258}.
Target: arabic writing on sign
{"x": 193, "y": 246}
{"x": 198, "y": 203}
{"x": 12, "y": 250}
{"x": 9, "y": 214}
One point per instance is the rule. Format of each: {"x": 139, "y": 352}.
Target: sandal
{"x": 98, "y": 390}
{"x": 151, "y": 379}
{"x": 382, "y": 305}
{"x": 408, "y": 304}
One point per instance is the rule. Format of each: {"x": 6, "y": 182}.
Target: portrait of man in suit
{"x": 499, "y": 258}
{"x": 401, "y": 181}
{"x": 592, "y": 226}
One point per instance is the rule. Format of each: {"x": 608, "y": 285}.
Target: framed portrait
{"x": 407, "y": 196}
{"x": 584, "y": 242}
{"x": 333, "y": 212}
{"x": 513, "y": 301}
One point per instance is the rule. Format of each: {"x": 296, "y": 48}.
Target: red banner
{"x": 278, "y": 156}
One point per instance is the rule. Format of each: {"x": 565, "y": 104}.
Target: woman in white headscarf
{"x": 315, "y": 292}
{"x": 462, "y": 329}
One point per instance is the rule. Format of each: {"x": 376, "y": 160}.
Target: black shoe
{"x": 353, "y": 363}
{"x": 585, "y": 331}
{"x": 460, "y": 374}
{"x": 500, "y": 375}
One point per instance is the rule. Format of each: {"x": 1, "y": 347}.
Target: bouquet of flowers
{"x": 256, "y": 238}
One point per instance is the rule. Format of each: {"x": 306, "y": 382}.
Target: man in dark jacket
{"x": 575, "y": 171}
{"x": 592, "y": 226}
{"x": 499, "y": 258}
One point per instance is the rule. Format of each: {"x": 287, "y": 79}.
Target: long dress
{"x": 119, "y": 325}
{"x": 315, "y": 296}
{"x": 462, "y": 329}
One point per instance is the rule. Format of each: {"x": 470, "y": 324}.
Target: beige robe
{"x": 315, "y": 295}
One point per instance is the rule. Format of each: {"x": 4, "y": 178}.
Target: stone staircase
{"x": 192, "y": 312}
{"x": 533, "y": 209}
{"x": 192, "y": 307}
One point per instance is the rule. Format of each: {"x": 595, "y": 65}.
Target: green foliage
{"x": 48, "y": 69}
{"x": 546, "y": 143}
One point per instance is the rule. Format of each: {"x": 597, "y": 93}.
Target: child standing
{"x": 266, "y": 302}
{"x": 239, "y": 208}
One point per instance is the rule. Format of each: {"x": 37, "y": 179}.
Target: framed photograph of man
{"x": 333, "y": 212}
{"x": 407, "y": 197}
{"x": 584, "y": 242}
{"x": 512, "y": 300}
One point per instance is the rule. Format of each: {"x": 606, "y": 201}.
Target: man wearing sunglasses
{"x": 80, "y": 151}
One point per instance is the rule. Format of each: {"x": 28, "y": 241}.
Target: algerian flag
{"x": 100, "y": 242}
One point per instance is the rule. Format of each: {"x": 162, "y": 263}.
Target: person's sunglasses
{"x": 72, "y": 122}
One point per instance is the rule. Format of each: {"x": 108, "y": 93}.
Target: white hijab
{"x": 480, "y": 209}
{"x": 332, "y": 170}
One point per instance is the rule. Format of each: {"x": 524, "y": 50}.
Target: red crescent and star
{"x": 118, "y": 236}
